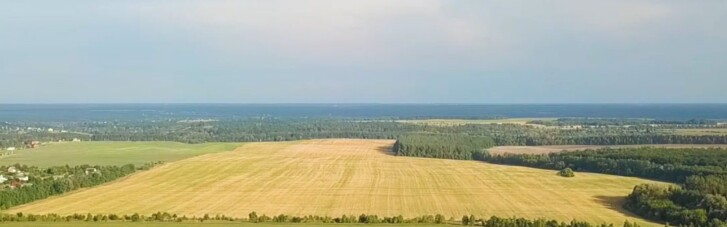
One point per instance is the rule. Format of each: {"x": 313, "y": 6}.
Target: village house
{"x": 22, "y": 177}
{"x": 91, "y": 171}
{"x": 10, "y": 148}
{"x": 12, "y": 169}
{"x": 32, "y": 144}
{"x": 76, "y": 140}
{"x": 3, "y": 179}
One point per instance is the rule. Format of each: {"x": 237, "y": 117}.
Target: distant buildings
{"x": 12, "y": 169}
{"x": 3, "y": 179}
{"x": 76, "y": 140}
{"x": 22, "y": 177}
{"x": 32, "y": 144}
{"x": 10, "y": 148}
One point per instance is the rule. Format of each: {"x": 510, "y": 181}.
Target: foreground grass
{"x": 351, "y": 177}
{"x": 111, "y": 153}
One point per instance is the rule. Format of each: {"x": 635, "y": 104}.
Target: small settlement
{"x": 12, "y": 177}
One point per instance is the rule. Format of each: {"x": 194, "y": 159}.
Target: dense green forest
{"x": 47, "y": 182}
{"x": 461, "y": 147}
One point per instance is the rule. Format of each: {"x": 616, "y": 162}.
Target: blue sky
{"x": 367, "y": 51}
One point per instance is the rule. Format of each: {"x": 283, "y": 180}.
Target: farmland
{"x": 559, "y": 148}
{"x": 700, "y": 131}
{"x": 111, "y": 153}
{"x": 456, "y": 122}
{"x": 345, "y": 176}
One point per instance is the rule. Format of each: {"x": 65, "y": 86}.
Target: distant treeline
{"x": 253, "y": 217}
{"x": 285, "y": 129}
{"x": 61, "y": 179}
{"x": 467, "y": 147}
{"x": 19, "y": 140}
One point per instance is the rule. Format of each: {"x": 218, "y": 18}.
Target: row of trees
{"x": 443, "y": 146}
{"x": 61, "y": 179}
{"x": 470, "y": 220}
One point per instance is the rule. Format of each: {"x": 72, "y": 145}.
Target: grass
{"x": 111, "y": 153}
{"x": 457, "y": 122}
{"x": 336, "y": 177}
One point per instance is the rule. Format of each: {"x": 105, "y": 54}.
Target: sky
{"x": 363, "y": 51}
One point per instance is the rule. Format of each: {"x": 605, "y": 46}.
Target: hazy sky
{"x": 419, "y": 51}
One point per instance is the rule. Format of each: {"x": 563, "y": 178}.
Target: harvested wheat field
{"x": 559, "y": 148}
{"x": 345, "y": 176}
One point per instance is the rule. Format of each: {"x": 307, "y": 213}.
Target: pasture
{"x": 111, "y": 153}
{"x": 559, "y": 148}
{"x": 345, "y": 176}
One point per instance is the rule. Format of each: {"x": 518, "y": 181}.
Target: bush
{"x": 567, "y": 172}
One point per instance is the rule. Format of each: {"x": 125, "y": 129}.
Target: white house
{"x": 3, "y": 179}
{"x": 10, "y": 148}
{"x": 50, "y": 129}
{"x": 76, "y": 140}
{"x": 12, "y": 169}
{"x": 22, "y": 176}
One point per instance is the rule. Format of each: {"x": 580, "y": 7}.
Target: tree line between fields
{"x": 47, "y": 182}
{"x": 702, "y": 173}
{"x": 253, "y": 217}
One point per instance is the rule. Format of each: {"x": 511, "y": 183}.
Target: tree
{"x": 253, "y": 217}
{"x": 465, "y": 220}
{"x": 567, "y": 172}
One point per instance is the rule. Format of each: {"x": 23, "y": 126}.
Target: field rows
{"x": 336, "y": 177}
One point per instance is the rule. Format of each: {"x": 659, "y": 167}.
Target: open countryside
{"x": 348, "y": 176}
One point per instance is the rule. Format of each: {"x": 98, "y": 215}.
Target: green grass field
{"x": 351, "y": 177}
{"x": 456, "y": 122}
{"x": 111, "y": 153}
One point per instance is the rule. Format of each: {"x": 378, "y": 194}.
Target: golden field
{"x": 346, "y": 176}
